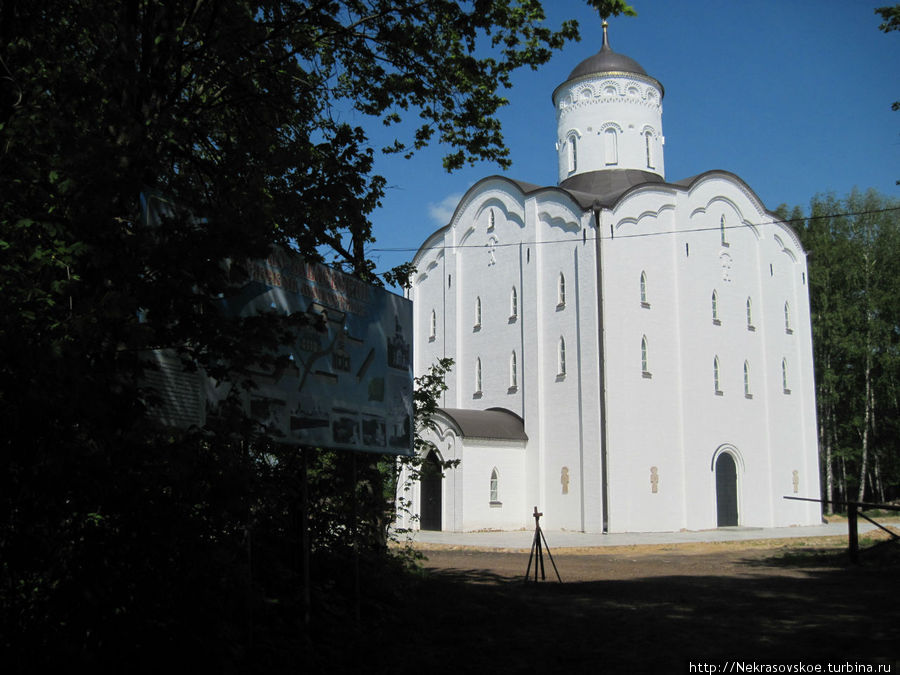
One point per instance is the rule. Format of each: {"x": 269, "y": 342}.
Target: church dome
{"x": 606, "y": 61}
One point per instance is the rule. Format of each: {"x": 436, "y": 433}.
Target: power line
{"x": 714, "y": 228}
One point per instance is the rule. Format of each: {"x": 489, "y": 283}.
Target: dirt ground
{"x": 655, "y": 609}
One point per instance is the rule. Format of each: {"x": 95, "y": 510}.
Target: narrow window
{"x": 513, "y": 304}
{"x": 478, "y": 375}
{"x": 784, "y": 377}
{"x": 722, "y": 231}
{"x": 449, "y": 280}
{"x": 747, "y": 392}
{"x": 572, "y": 153}
{"x": 716, "y": 385}
{"x": 648, "y": 140}
{"x": 750, "y": 325}
{"x": 495, "y": 486}
{"x": 787, "y": 319}
{"x": 477, "y": 312}
{"x": 491, "y": 220}
{"x": 432, "y": 328}
{"x": 715, "y": 309}
{"x": 687, "y": 250}
{"x": 611, "y": 146}
{"x": 561, "y": 291}
{"x": 644, "y": 302}
{"x": 645, "y": 363}
{"x": 513, "y": 371}
{"x": 561, "y": 369}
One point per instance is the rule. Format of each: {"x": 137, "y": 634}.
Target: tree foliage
{"x": 119, "y": 540}
{"x": 854, "y": 252}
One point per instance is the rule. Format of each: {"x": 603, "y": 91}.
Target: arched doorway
{"x": 726, "y": 491}
{"x": 430, "y": 485}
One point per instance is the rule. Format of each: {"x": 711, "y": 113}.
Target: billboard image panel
{"x": 348, "y": 382}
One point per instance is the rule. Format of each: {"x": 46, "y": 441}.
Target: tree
{"x": 854, "y": 246}
{"x": 890, "y": 22}
{"x": 118, "y": 538}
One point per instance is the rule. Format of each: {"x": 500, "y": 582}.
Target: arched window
{"x": 491, "y": 220}
{"x": 572, "y": 153}
{"x": 611, "y": 146}
{"x": 648, "y": 145}
{"x": 513, "y": 304}
{"x": 561, "y": 291}
{"x": 645, "y": 362}
{"x": 715, "y": 309}
{"x": 477, "y": 311}
{"x": 716, "y": 384}
{"x": 432, "y": 328}
{"x": 747, "y": 392}
{"x": 495, "y": 485}
{"x": 478, "y": 375}
{"x": 750, "y": 325}
{"x": 513, "y": 371}
{"x": 722, "y": 230}
{"x": 561, "y": 357}
{"x": 644, "y": 302}
{"x": 787, "y": 319}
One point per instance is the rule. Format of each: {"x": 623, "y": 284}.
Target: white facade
{"x": 651, "y": 340}
{"x": 609, "y": 120}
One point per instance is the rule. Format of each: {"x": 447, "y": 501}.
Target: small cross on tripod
{"x": 536, "y": 547}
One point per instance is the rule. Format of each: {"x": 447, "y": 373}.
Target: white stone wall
{"x": 589, "y": 111}
{"x": 673, "y": 418}
{"x": 566, "y": 405}
{"x": 664, "y": 427}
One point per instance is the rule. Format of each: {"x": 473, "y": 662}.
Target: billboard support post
{"x": 305, "y": 543}
{"x": 355, "y": 534}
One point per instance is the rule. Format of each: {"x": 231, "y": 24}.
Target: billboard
{"x": 348, "y": 382}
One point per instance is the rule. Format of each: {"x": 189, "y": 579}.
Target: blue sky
{"x": 794, "y": 96}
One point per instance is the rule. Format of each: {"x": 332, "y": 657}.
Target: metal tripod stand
{"x": 537, "y": 549}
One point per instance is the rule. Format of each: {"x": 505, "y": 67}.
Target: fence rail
{"x": 854, "y": 512}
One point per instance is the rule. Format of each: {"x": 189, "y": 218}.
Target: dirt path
{"x": 658, "y": 609}
{"x": 734, "y": 559}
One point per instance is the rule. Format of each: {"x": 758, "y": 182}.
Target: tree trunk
{"x": 877, "y": 482}
{"x": 829, "y": 478}
{"x": 867, "y": 419}
{"x": 843, "y": 484}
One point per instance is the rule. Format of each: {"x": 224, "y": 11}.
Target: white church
{"x": 631, "y": 354}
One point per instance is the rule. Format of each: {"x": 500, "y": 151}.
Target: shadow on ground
{"x": 631, "y": 613}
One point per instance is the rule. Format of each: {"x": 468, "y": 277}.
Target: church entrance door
{"x": 430, "y": 515}
{"x": 726, "y": 491}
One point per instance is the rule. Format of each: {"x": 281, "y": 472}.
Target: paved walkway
{"x": 522, "y": 539}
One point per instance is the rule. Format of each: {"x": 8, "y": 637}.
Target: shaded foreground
{"x": 647, "y": 609}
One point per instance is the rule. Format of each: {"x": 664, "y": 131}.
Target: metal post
{"x": 305, "y": 543}
{"x": 357, "y": 594}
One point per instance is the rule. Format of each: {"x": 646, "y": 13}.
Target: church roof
{"x": 607, "y": 61}
{"x": 608, "y": 185}
{"x": 493, "y": 423}
{"x": 600, "y": 189}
